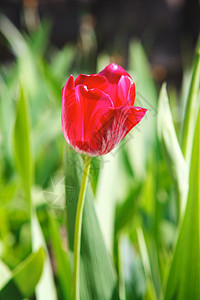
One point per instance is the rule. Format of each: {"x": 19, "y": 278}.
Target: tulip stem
{"x": 78, "y": 227}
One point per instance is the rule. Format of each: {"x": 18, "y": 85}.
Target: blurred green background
{"x": 141, "y": 233}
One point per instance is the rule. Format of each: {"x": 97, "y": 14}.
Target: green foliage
{"x": 62, "y": 258}
{"x": 140, "y": 237}
{"x": 192, "y": 107}
{"x": 97, "y": 276}
{"x": 22, "y": 151}
{"x": 172, "y": 150}
{"x": 146, "y": 96}
{"x": 46, "y": 287}
{"x": 184, "y": 276}
{"x": 22, "y": 281}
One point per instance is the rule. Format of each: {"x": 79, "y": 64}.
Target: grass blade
{"x": 46, "y": 287}
{"x": 141, "y": 138}
{"x": 174, "y": 157}
{"x": 24, "y": 277}
{"x": 22, "y": 150}
{"x": 184, "y": 277}
{"x": 192, "y": 107}
{"x": 146, "y": 264}
{"x": 62, "y": 261}
{"x": 5, "y": 274}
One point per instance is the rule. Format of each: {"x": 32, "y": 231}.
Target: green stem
{"x": 78, "y": 226}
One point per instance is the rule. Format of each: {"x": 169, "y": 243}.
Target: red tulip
{"x": 98, "y": 110}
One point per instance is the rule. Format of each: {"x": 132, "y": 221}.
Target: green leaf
{"x": 62, "y": 61}
{"x": 62, "y": 260}
{"x": 40, "y": 38}
{"x": 22, "y": 151}
{"x": 184, "y": 277}
{"x": 5, "y": 274}
{"x": 132, "y": 271}
{"x": 95, "y": 172}
{"x": 174, "y": 157}
{"x": 46, "y": 130}
{"x": 27, "y": 61}
{"x": 192, "y": 107}
{"x": 151, "y": 292}
{"x": 28, "y": 273}
{"x": 125, "y": 210}
{"x": 141, "y": 138}
{"x": 151, "y": 217}
{"x": 11, "y": 291}
{"x": 97, "y": 279}
{"x": 140, "y": 68}
{"x": 14, "y": 37}
{"x": 52, "y": 83}
{"x": 46, "y": 288}
{"x": 7, "y": 111}
{"x": 24, "y": 278}
{"x": 109, "y": 177}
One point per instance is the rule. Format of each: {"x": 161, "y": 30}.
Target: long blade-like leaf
{"x": 5, "y": 274}
{"x": 192, "y": 107}
{"x": 62, "y": 260}
{"x": 24, "y": 277}
{"x": 97, "y": 274}
{"x": 46, "y": 287}
{"x": 172, "y": 150}
{"x": 141, "y": 138}
{"x": 184, "y": 276}
{"x": 22, "y": 144}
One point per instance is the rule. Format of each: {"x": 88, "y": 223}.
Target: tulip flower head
{"x": 98, "y": 110}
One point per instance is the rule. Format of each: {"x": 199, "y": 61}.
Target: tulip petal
{"x": 97, "y": 110}
{"x": 113, "y": 73}
{"x": 92, "y": 104}
{"x": 126, "y": 91}
{"x": 69, "y": 110}
{"x": 81, "y": 108}
{"x": 113, "y": 127}
{"x": 131, "y": 94}
{"x": 92, "y": 81}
